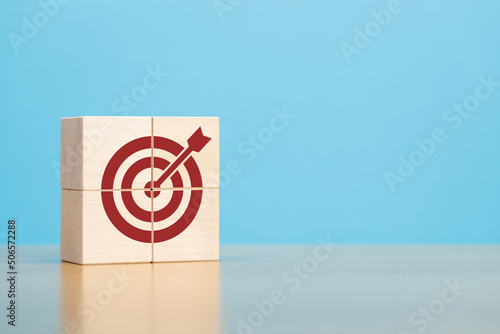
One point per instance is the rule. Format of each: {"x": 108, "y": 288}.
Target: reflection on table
{"x": 140, "y": 298}
{"x": 265, "y": 289}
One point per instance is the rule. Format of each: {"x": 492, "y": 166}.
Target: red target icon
{"x": 170, "y": 171}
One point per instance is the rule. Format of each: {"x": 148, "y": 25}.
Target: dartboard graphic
{"x": 178, "y": 173}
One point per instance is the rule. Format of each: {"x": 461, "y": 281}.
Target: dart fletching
{"x": 198, "y": 141}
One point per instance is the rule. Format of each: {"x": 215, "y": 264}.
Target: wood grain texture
{"x": 71, "y": 226}
{"x": 89, "y": 237}
{"x": 179, "y": 129}
{"x": 88, "y": 143}
{"x": 87, "y": 234}
{"x": 200, "y": 240}
{"x": 72, "y": 153}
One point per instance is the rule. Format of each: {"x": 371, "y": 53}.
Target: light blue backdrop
{"x": 360, "y": 81}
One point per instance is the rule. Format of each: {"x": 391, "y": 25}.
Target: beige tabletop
{"x": 264, "y": 289}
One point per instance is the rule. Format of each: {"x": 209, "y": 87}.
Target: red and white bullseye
{"x": 170, "y": 172}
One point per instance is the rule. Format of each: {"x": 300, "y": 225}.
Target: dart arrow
{"x": 195, "y": 144}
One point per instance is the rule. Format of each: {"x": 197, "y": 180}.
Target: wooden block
{"x": 89, "y": 143}
{"x": 186, "y": 225}
{"x": 110, "y": 190}
{"x": 170, "y": 140}
{"x": 90, "y": 233}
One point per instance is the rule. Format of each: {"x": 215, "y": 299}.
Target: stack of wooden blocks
{"x": 139, "y": 189}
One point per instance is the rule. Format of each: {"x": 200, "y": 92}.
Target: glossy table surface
{"x": 264, "y": 289}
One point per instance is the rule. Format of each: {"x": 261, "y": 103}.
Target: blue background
{"x": 324, "y": 173}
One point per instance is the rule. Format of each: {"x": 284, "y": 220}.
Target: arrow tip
{"x": 198, "y": 141}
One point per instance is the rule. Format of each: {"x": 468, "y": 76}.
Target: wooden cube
{"x": 88, "y": 143}
{"x": 191, "y": 233}
{"x": 88, "y": 236}
{"x": 139, "y": 189}
{"x": 207, "y": 159}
